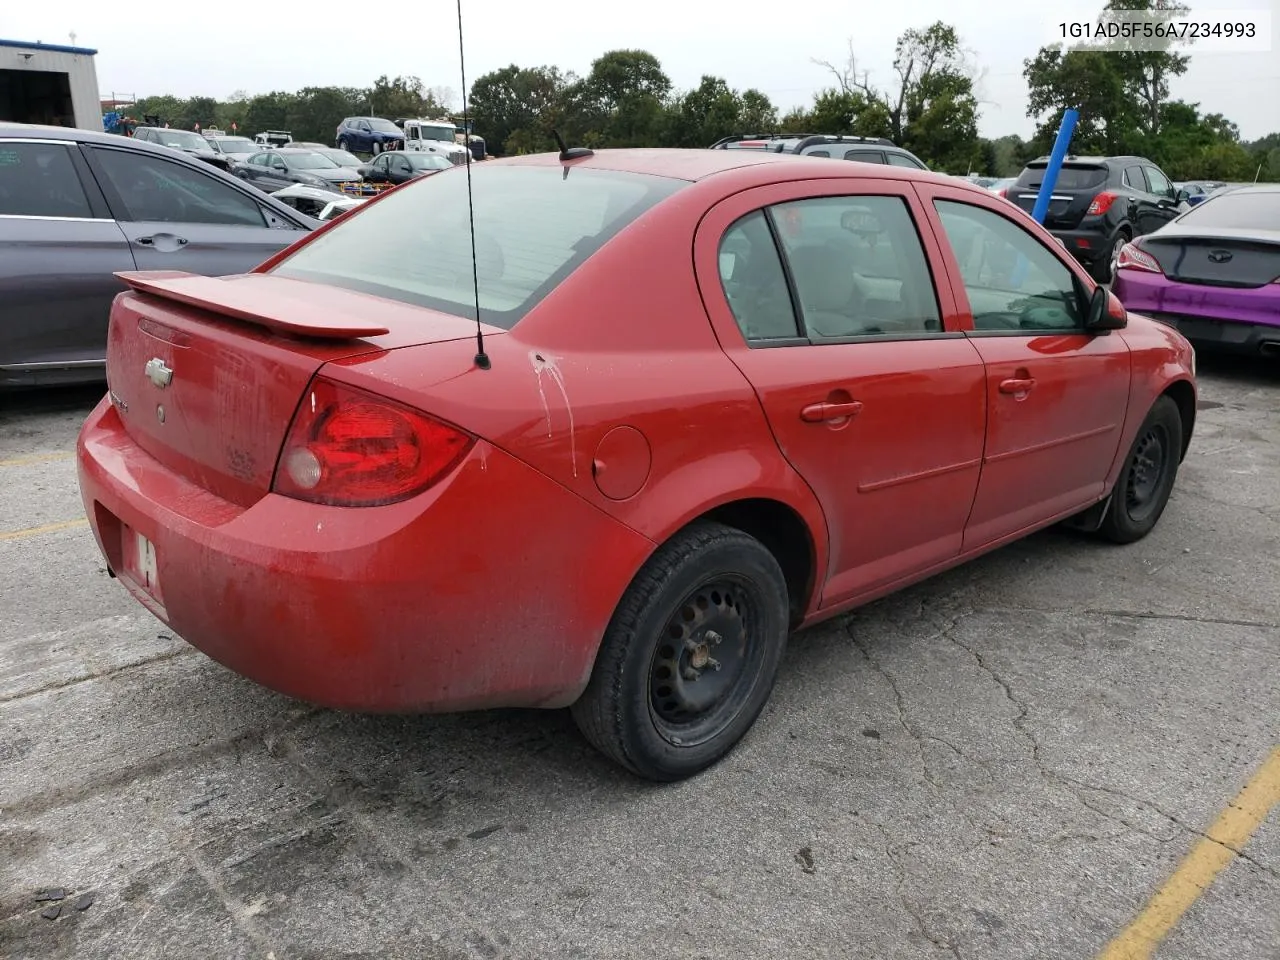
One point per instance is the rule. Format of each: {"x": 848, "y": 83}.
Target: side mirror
{"x": 364, "y": 170}
{"x": 1182, "y": 196}
{"x": 1106, "y": 312}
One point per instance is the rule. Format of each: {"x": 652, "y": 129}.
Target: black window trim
{"x": 805, "y": 340}
{"x": 1076, "y": 282}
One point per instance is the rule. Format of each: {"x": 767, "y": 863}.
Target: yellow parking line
{"x": 1227, "y": 837}
{"x": 46, "y": 528}
{"x": 36, "y": 458}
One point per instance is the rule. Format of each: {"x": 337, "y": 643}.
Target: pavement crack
{"x": 904, "y": 721}
{"x": 1020, "y": 721}
{"x": 912, "y": 909}
{"x": 1184, "y": 618}
{"x": 100, "y": 675}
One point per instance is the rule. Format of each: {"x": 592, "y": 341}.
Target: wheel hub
{"x": 1147, "y": 470}
{"x": 695, "y": 673}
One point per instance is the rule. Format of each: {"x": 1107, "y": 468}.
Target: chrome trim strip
{"x": 28, "y": 216}
{"x": 54, "y": 365}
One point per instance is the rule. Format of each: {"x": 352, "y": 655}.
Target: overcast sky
{"x": 141, "y": 52}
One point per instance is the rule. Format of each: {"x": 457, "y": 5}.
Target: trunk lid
{"x": 207, "y": 372}
{"x": 1078, "y": 183}
{"x": 1224, "y": 258}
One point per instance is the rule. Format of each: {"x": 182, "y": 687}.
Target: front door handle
{"x": 1017, "y": 385}
{"x": 820, "y": 412}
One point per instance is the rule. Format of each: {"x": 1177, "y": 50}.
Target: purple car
{"x": 1213, "y": 272}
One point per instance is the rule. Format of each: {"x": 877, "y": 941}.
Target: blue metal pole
{"x": 1056, "y": 156}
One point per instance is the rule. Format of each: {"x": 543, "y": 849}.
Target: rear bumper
{"x": 1246, "y": 320}
{"x": 1087, "y": 246}
{"x": 493, "y": 589}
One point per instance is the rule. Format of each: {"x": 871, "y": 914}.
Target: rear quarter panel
{"x": 625, "y": 341}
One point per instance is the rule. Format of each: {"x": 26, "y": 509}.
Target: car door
{"x": 364, "y": 136}
{"x": 253, "y": 169}
{"x": 1164, "y": 200}
{"x": 179, "y": 218}
{"x": 822, "y": 295}
{"x": 379, "y": 167}
{"x": 400, "y": 170}
{"x": 1056, "y": 394}
{"x": 59, "y": 251}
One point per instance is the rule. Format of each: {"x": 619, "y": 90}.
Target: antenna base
{"x": 483, "y": 361}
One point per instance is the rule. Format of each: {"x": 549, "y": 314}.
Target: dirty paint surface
{"x": 1010, "y": 761}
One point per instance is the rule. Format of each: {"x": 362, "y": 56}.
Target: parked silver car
{"x": 76, "y": 206}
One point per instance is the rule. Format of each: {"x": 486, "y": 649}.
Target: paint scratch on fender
{"x": 548, "y": 365}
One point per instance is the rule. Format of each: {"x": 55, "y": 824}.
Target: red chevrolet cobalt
{"x": 707, "y": 397}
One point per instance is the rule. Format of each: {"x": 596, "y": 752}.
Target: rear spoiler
{"x": 256, "y": 298}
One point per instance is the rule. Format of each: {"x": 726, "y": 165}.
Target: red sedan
{"x": 707, "y": 397}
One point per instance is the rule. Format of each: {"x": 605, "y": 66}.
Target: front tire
{"x": 690, "y": 656}
{"x": 1142, "y": 490}
{"x": 342, "y": 143}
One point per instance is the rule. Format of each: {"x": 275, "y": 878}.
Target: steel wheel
{"x": 1146, "y": 481}
{"x": 690, "y": 656}
{"x": 1147, "y": 472}
{"x": 695, "y": 677}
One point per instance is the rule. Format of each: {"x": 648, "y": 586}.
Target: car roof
{"x": 32, "y": 131}
{"x": 694, "y": 164}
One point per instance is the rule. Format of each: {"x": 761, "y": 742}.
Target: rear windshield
{"x": 1251, "y": 210}
{"x": 1069, "y": 177}
{"x": 534, "y": 226}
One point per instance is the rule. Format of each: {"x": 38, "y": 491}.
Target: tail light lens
{"x": 1003, "y": 193}
{"x": 350, "y": 448}
{"x": 1102, "y": 203}
{"x": 1133, "y": 258}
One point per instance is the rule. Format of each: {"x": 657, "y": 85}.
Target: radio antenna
{"x": 482, "y": 359}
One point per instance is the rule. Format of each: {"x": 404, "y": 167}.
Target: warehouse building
{"x": 49, "y": 83}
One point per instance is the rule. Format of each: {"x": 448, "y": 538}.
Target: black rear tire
{"x": 1142, "y": 490}
{"x": 690, "y": 656}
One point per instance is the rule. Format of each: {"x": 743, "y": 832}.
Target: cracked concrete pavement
{"x": 1004, "y": 762}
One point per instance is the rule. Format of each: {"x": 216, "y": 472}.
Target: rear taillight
{"x": 1133, "y": 258}
{"x": 1102, "y": 203}
{"x": 349, "y": 448}
{"x": 1003, "y": 192}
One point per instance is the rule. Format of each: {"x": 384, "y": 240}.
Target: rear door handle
{"x": 1017, "y": 386}
{"x": 147, "y": 241}
{"x": 820, "y": 412}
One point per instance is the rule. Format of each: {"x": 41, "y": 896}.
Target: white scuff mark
{"x": 319, "y": 526}
{"x": 313, "y": 401}
{"x": 548, "y": 365}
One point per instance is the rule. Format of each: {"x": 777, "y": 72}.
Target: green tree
{"x": 756, "y": 112}
{"x": 699, "y": 117}
{"x": 267, "y": 111}
{"x": 524, "y": 100}
{"x": 1120, "y": 93}
{"x": 621, "y": 101}
{"x": 931, "y": 108}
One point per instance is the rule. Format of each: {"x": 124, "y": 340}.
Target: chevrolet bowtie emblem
{"x": 158, "y": 373}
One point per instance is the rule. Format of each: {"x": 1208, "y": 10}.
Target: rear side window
{"x": 1247, "y": 210}
{"x": 1070, "y": 177}
{"x": 39, "y": 180}
{"x": 534, "y": 226}
{"x": 902, "y": 160}
{"x": 865, "y": 156}
{"x": 753, "y": 281}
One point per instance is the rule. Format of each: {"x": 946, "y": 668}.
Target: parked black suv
{"x": 188, "y": 141}
{"x": 1099, "y": 204}
{"x": 863, "y": 149}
